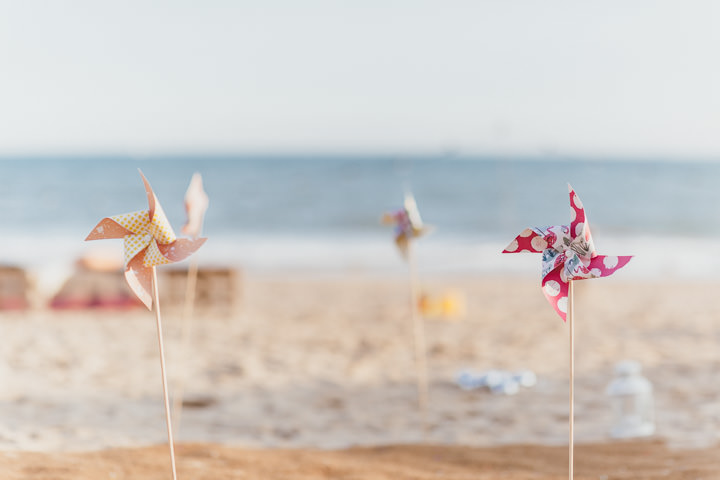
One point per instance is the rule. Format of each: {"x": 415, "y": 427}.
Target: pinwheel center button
{"x": 147, "y": 238}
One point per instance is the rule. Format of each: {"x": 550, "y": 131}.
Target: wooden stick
{"x": 188, "y": 313}
{"x": 570, "y": 315}
{"x": 419, "y": 335}
{"x": 168, "y": 420}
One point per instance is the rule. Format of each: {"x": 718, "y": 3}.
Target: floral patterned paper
{"x": 408, "y": 224}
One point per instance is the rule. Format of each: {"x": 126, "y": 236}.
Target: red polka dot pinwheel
{"x": 568, "y": 254}
{"x": 149, "y": 242}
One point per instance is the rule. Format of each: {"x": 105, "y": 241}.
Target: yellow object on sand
{"x": 449, "y": 305}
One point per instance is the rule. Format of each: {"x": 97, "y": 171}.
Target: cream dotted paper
{"x": 146, "y": 235}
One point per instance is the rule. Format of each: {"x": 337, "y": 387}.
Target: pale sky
{"x": 613, "y": 77}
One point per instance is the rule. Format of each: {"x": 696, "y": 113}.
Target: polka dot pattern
{"x": 134, "y": 244}
{"x": 568, "y": 254}
{"x": 579, "y": 229}
{"x": 147, "y": 233}
{"x": 538, "y": 243}
{"x": 153, "y": 256}
{"x": 562, "y": 305}
{"x": 552, "y": 288}
{"x": 528, "y": 241}
{"x": 160, "y": 226}
{"x": 610, "y": 262}
{"x": 135, "y": 221}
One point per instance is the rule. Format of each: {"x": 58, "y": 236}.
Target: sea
{"x": 322, "y": 212}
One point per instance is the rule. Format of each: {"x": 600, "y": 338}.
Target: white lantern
{"x": 631, "y": 396}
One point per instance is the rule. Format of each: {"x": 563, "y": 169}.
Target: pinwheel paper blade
{"x": 417, "y": 227}
{"x": 139, "y": 279}
{"x": 408, "y": 224}
{"x": 107, "y": 229}
{"x": 151, "y": 198}
{"x": 148, "y": 240}
{"x": 196, "y": 203}
{"x": 181, "y": 248}
{"x": 527, "y": 241}
{"x": 568, "y": 253}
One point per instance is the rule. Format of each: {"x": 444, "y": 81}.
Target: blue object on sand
{"x": 498, "y": 382}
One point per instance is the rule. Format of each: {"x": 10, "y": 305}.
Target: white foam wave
{"x": 51, "y": 259}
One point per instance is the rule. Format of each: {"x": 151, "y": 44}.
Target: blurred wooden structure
{"x": 15, "y": 287}
{"x": 100, "y": 285}
{"x": 88, "y": 288}
{"x": 217, "y": 290}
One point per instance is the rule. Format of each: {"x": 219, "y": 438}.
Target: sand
{"x": 325, "y": 362}
{"x": 645, "y": 460}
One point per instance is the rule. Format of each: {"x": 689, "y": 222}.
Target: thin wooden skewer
{"x": 188, "y": 313}
{"x": 162, "y": 371}
{"x": 571, "y": 314}
{"x": 419, "y": 335}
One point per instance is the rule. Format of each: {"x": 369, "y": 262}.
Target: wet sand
{"x": 644, "y": 460}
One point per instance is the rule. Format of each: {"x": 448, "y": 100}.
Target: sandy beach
{"x": 313, "y": 361}
{"x": 637, "y": 460}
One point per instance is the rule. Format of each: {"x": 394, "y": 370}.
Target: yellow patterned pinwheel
{"x": 149, "y": 241}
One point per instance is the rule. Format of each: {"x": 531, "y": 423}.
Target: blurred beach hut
{"x": 97, "y": 282}
{"x": 15, "y": 287}
{"x": 218, "y": 289}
